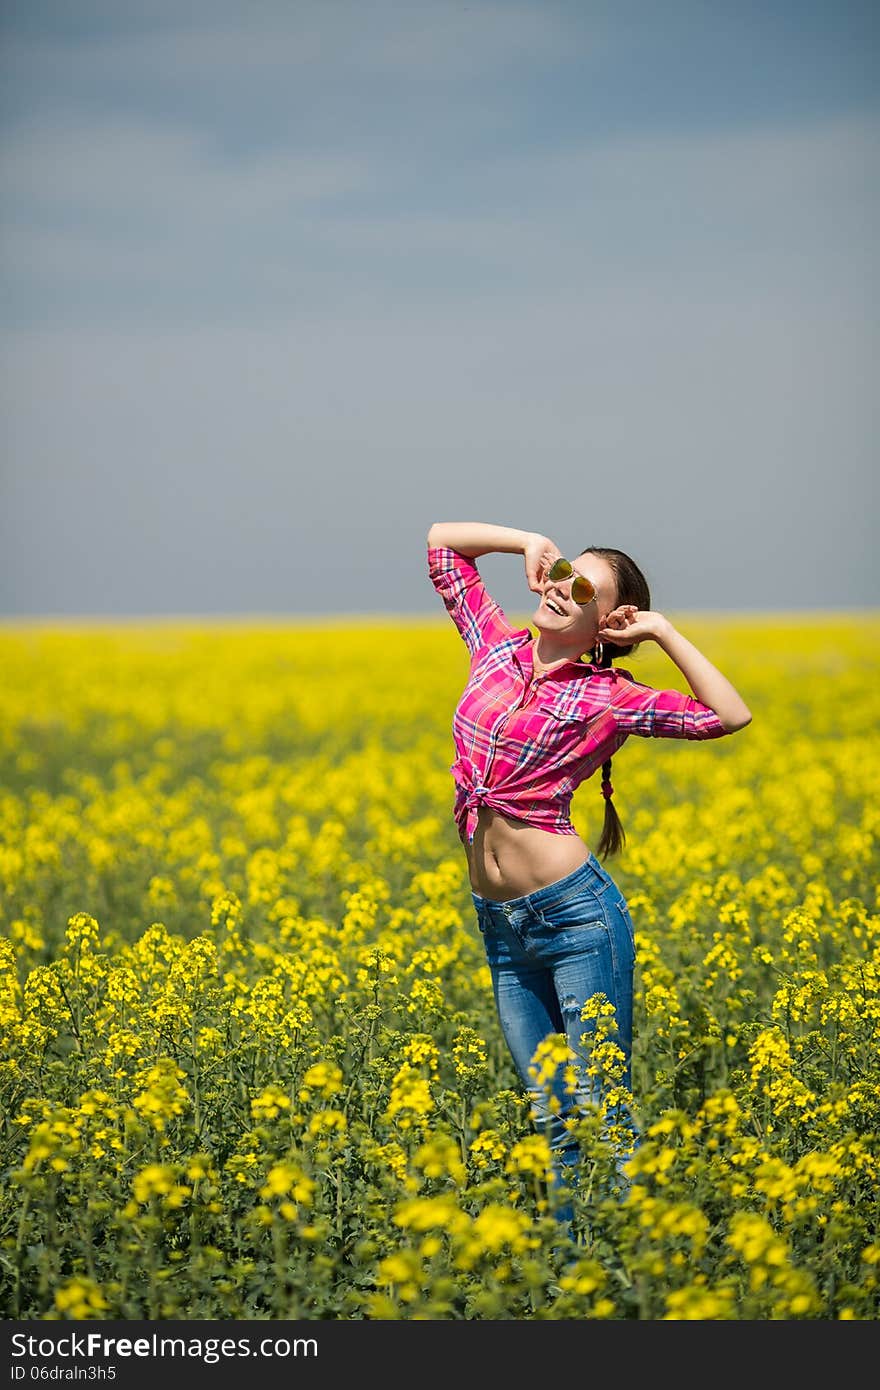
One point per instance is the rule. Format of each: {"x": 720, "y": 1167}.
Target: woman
{"x": 535, "y": 719}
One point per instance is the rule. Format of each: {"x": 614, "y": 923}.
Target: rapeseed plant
{"x": 249, "y": 1059}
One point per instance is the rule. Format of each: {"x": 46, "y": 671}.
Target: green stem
{"x": 279, "y": 1245}
{"x": 152, "y": 1266}
{"x": 16, "y": 1302}
{"x": 197, "y": 1101}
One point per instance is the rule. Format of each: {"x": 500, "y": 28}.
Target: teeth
{"x": 554, "y": 608}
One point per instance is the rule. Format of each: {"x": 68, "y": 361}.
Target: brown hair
{"x": 632, "y": 587}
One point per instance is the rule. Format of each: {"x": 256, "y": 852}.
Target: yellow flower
{"x": 323, "y": 1077}
{"x": 288, "y": 1179}
{"x": 226, "y": 910}
{"x": 156, "y": 1179}
{"x": 531, "y": 1155}
{"x": 80, "y": 1297}
{"x": 487, "y": 1147}
{"x": 328, "y": 1124}
{"x": 497, "y": 1227}
{"x": 551, "y": 1054}
{"x": 585, "y": 1277}
{"x": 431, "y": 1213}
{"x": 754, "y": 1239}
{"x": 422, "y": 1050}
{"x": 439, "y": 1158}
{"x": 162, "y": 1097}
{"x": 411, "y": 1098}
{"x": 269, "y": 1103}
{"x": 469, "y": 1055}
{"x": 403, "y": 1269}
{"x": 697, "y": 1303}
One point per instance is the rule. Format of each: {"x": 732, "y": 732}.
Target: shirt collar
{"x": 524, "y": 653}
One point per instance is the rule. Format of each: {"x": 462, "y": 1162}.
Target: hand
{"x": 540, "y": 553}
{"x": 628, "y": 624}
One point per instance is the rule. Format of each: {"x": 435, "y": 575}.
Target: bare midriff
{"x": 508, "y": 859}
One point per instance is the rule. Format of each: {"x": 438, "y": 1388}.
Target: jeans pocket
{"x": 581, "y": 909}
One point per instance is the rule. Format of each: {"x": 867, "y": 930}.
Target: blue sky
{"x": 289, "y": 281}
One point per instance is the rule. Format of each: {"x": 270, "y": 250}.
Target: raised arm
{"x": 473, "y": 538}
{"x": 629, "y": 624}
{"x": 705, "y": 680}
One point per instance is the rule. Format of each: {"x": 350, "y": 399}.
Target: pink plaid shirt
{"x": 524, "y": 743}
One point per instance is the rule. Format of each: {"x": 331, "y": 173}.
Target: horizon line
{"x": 382, "y": 617}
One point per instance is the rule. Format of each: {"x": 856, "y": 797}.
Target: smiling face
{"x": 575, "y": 625}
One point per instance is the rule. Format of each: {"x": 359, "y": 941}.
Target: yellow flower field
{"x": 250, "y": 1065}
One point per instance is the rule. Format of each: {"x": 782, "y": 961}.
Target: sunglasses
{"x": 582, "y": 589}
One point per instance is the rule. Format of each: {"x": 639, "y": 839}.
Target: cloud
{"x": 216, "y": 42}
{"x": 90, "y": 170}
{"x": 272, "y": 279}
{"x": 140, "y": 217}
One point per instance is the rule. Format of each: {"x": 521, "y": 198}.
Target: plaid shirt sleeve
{"x": 640, "y": 709}
{"x": 475, "y": 613}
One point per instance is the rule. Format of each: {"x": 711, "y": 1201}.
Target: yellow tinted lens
{"x": 582, "y": 590}
{"x": 560, "y": 569}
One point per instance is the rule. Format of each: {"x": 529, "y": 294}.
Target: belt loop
{"x": 601, "y": 874}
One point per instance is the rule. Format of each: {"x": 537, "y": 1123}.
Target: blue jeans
{"x": 548, "y": 953}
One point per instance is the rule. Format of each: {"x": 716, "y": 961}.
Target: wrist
{"x": 533, "y": 538}
{"x": 663, "y": 631}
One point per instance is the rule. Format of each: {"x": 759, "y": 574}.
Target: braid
{"x": 632, "y": 587}
{"x": 613, "y": 836}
